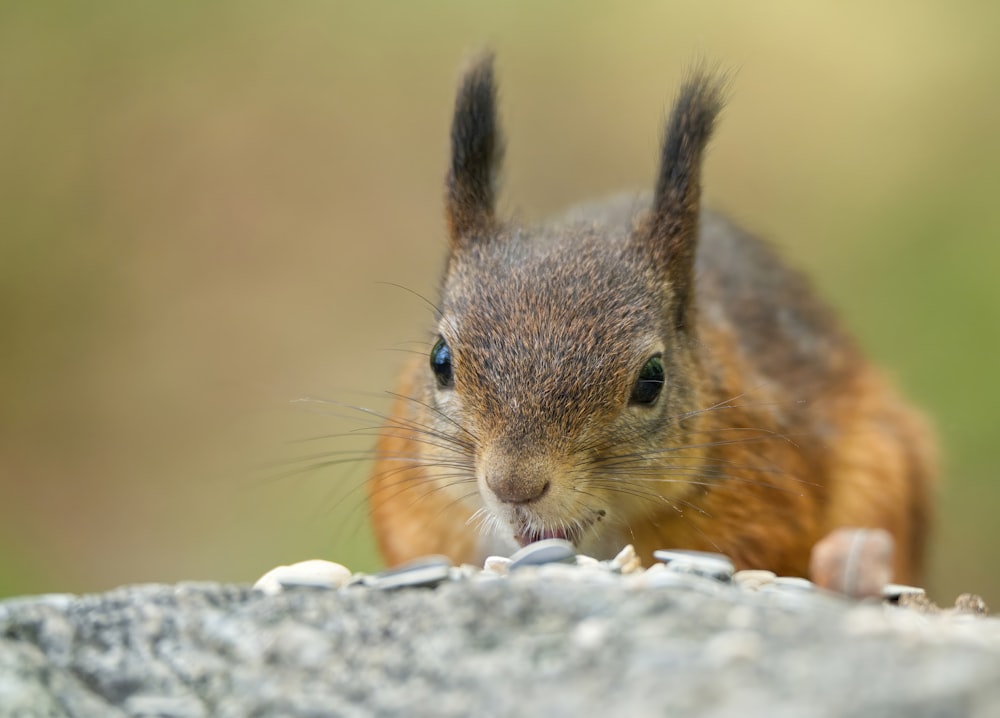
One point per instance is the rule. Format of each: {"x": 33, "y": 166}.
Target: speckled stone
{"x": 527, "y": 645}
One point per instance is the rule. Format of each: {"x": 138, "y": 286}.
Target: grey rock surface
{"x": 530, "y": 645}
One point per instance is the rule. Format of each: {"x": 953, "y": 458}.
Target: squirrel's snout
{"x": 517, "y": 487}
{"x": 515, "y": 476}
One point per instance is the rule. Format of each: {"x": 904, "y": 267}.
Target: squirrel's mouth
{"x": 529, "y": 529}
{"x": 530, "y": 535}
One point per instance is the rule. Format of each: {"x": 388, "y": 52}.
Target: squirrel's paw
{"x": 852, "y": 561}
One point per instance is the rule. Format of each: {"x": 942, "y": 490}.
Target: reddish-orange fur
{"x": 772, "y": 429}
{"x": 874, "y": 478}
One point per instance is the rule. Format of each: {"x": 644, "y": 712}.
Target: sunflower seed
{"x": 544, "y": 551}
{"x": 427, "y": 571}
{"x": 703, "y": 563}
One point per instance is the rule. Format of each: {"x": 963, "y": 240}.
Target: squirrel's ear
{"x": 671, "y": 234}
{"x": 476, "y": 149}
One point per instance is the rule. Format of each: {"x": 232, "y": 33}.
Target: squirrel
{"x": 638, "y": 371}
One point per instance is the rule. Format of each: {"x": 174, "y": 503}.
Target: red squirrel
{"x": 639, "y": 371}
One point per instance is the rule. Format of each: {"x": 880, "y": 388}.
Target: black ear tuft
{"x": 476, "y": 150}
{"x": 673, "y": 228}
{"x": 678, "y": 186}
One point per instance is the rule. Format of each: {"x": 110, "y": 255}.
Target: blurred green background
{"x": 203, "y": 207}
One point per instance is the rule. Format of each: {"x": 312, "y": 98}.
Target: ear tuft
{"x": 692, "y": 119}
{"x": 476, "y": 150}
{"x": 672, "y": 232}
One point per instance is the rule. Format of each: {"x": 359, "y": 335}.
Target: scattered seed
{"x": 703, "y": 563}
{"x": 542, "y": 552}
{"x": 424, "y": 572}
{"x": 315, "y": 573}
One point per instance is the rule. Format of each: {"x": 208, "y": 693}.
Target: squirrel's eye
{"x": 441, "y": 364}
{"x": 650, "y": 382}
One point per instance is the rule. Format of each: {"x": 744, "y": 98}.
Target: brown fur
{"x": 771, "y": 428}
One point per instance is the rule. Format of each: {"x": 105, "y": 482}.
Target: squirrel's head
{"x": 564, "y": 356}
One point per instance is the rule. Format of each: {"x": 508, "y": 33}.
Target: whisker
{"x": 386, "y": 418}
{"x": 433, "y": 307}
{"x": 700, "y": 479}
{"x": 437, "y": 412}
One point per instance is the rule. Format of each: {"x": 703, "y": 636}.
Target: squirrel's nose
{"x": 517, "y": 487}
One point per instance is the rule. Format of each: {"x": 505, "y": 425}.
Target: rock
{"x": 525, "y": 646}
